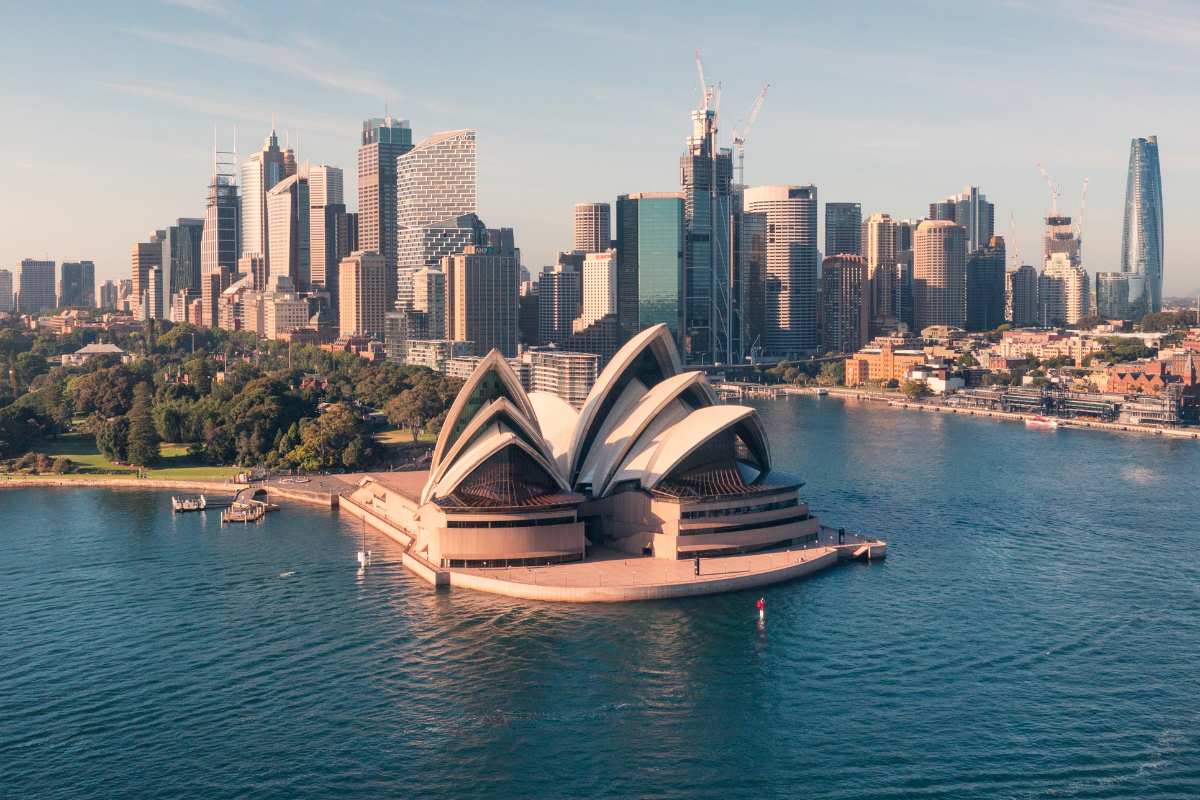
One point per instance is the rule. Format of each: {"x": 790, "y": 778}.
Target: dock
{"x": 246, "y": 508}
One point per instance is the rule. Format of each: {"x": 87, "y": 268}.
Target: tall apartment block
{"x": 435, "y": 203}
{"x": 940, "y": 274}
{"x": 883, "y": 270}
{"x": 6, "y": 291}
{"x": 260, "y": 174}
{"x": 1122, "y": 295}
{"x": 1060, "y": 238}
{"x": 985, "y": 286}
{"x": 362, "y": 294}
{"x": 146, "y": 255}
{"x": 483, "y": 298}
{"x": 593, "y": 227}
{"x": 1063, "y": 292}
{"x": 790, "y": 284}
{"x": 598, "y": 288}
{"x": 107, "y": 296}
{"x": 706, "y": 174}
{"x": 384, "y": 140}
{"x": 972, "y": 211}
{"x": 326, "y": 201}
{"x": 77, "y": 284}
{"x": 1021, "y": 296}
{"x": 843, "y": 229}
{"x": 559, "y": 297}
{"x": 845, "y": 303}
{"x": 429, "y": 296}
{"x": 33, "y": 286}
{"x": 1142, "y": 231}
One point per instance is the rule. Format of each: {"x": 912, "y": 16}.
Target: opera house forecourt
{"x": 525, "y": 496}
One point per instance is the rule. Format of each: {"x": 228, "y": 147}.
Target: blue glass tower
{"x": 1142, "y": 237}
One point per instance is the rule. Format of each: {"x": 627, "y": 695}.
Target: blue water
{"x": 1033, "y": 633}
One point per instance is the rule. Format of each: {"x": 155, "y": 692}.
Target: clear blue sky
{"x": 109, "y": 109}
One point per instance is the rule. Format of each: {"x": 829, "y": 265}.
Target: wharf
{"x": 1075, "y": 422}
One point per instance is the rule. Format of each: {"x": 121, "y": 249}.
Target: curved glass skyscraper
{"x": 1142, "y": 238}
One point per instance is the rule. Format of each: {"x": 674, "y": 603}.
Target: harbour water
{"x": 1034, "y": 631}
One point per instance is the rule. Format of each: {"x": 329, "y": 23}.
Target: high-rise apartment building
{"x": 483, "y": 298}
{"x": 260, "y": 174}
{"x": 435, "y": 201}
{"x": 843, "y": 229}
{"x": 706, "y": 173}
{"x": 6, "y": 291}
{"x": 254, "y": 266}
{"x": 985, "y": 286}
{"x": 972, "y": 211}
{"x": 1021, "y": 296}
{"x": 1142, "y": 232}
{"x": 1060, "y": 238}
{"x": 326, "y": 202}
{"x": 429, "y": 297}
{"x": 362, "y": 294}
{"x": 33, "y": 286}
{"x": 152, "y": 301}
{"x": 940, "y": 275}
{"x": 593, "y": 227}
{"x": 598, "y": 288}
{"x": 288, "y": 235}
{"x": 1122, "y": 295}
{"x": 568, "y": 375}
{"x": 790, "y": 284}
{"x": 883, "y": 270}
{"x": 1062, "y": 292}
{"x": 383, "y": 141}
{"x": 211, "y": 286}
{"x": 146, "y": 255}
{"x": 845, "y": 303}
{"x": 107, "y": 295}
{"x": 77, "y": 284}
{"x": 559, "y": 300}
{"x": 183, "y": 254}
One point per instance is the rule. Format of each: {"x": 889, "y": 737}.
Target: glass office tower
{"x": 1142, "y": 236}
{"x": 650, "y": 252}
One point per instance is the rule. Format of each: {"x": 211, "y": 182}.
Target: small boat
{"x": 1041, "y": 421}
{"x": 188, "y": 504}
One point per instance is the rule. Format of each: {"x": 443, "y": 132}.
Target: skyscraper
{"x": 362, "y": 294}
{"x": 845, "y": 303}
{"x": 288, "y": 239}
{"x": 940, "y": 274}
{"x": 107, "y": 299}
{"x": 220, "y": 241}
{"x": 1021, "y": 296}
{"x": 325, "y": 201}
{"x": 985, "y": 286}
{"x": 259, "y": 176}
{"x": 559, "y": 298}
{"x": 1062, "y": 292}
{"x": 706, "y": 173}
{"x": 429, "y": 296}
{"x": 33, "y": 286}
{"x": 1060, "y": 238}
{"x": 77, "y": 284}
{"x": 790, "y": 285}
{"x": 598, "y": 290}
{"x": 593, "y": 227}
{"x": 650, "y": 251}
{"x": 435, "y": 193}
{"x": 1142, "y": 233}
{"x": 883, "y": 271}
{"x": 383, "y": 141}
{"x": 1121, "y": 295}
{"x": 972, "y": 211}
{"x": 146, "y": 255}
{"x": 6, "y": 290}
{"x": 183, "y": 257}
{"x": 483, "y": 298}
{"x": 843, "y": 229}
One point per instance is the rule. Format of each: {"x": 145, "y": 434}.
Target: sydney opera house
{"x": 652, "y": 465}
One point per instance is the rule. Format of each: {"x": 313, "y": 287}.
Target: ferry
{"x": 1041, "y": 421}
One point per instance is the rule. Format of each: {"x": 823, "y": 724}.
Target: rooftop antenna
{"x": 1013, "y": 219}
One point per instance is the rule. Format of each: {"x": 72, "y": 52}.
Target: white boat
{"x": 1041, "y": 421}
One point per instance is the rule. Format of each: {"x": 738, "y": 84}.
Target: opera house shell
{"x": 651, "y": 465}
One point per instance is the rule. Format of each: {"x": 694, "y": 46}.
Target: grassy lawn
{"x": 396, "y": 438}
{"x": 83, "y": 453}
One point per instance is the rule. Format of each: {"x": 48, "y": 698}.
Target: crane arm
{"x": 1053, "y": 187}
{"x": 1082, "y": 202}
{"x": 703, "y": 84}
{"x": 754, "y": 111}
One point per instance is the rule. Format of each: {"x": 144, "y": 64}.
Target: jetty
{"x": 246, "y": 508}
{"x": 197, "y": 503}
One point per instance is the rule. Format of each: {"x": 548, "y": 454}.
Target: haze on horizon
{"x": 111, "y": 110}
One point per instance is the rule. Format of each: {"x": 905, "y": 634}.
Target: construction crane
{"x": 1053, "y": 188}
{"x": 706, "y": 92}
{"x": 740, "y": 141}
{"x": 1079, "y": 222}
{"x": 1016, "y": 261}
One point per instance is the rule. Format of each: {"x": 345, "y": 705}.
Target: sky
{"x": 110, "y": 110}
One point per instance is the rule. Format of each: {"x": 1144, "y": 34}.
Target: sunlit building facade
{"x": 1142, "y": 233}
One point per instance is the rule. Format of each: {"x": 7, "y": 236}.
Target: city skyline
{"x": 166, "y": 108}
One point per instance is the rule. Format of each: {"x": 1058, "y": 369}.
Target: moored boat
{"x": 1041, "y": 421}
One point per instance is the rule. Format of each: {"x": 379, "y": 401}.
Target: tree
{"x": 325, "y": 439}
{"x": 413, "y": 407}
{"x": 108, "y": 391}
{"x": 1089, "y": 322}
{"x": 914, "y": 389}
{"x": 61, "y": 466}
{"x": 968, "y": 360}
{"x": 113, "y": 439}
{"x": 892, "y": 384}
{"x": 832, "y": 374}
{"x": 143, "y": 438}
